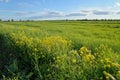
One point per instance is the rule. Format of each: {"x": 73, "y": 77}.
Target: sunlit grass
{"x": 60, "y": 50}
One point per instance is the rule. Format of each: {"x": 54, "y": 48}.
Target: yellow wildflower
{"x": 107, "y": 60}
{"x": 118, "y": 72}
{"x": 74, "y": 52}
{"x": 35, "y": 49}
{"x": 101, "y": 78}
{"x": 116, "y": 64}
{"x": 74, "y": 60}
{"x": 101, "y": 60}
{"x": 108, "y": 66}
{"x": 107, "y": 77}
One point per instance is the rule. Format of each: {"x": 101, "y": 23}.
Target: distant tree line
{"x": 12, "y": 20}
{"x": 98, "y": 19}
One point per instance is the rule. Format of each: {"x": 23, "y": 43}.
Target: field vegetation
{"x": 60, "y": 50}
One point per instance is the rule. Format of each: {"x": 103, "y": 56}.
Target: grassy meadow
{"x": 60, "y": 50}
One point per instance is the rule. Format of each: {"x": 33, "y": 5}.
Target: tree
{"x": 12, "y": 20}
{"x": 0, "y": 20}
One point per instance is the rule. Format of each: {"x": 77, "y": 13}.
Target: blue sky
{"x": 59, "y": 9}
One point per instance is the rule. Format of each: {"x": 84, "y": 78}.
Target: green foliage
{"x": 84, "y": 52}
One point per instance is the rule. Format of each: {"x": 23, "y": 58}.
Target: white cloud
{"x": 76, "y": 14}
{"x": 102, "y": 12}
{"x": 117, "y": 4}
{"x": 4, "y": 0}
{"x": 51, "y": 14}
{"x": 46, "y": 14}
{"x": 118, "y": 12}
{"x": 23, "y": 13}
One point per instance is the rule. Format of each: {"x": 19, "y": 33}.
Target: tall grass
{"x": 40, "y": 53}
{"x": 89, "y": 33}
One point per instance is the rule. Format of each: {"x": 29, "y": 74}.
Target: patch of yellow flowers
{"x": 86, "y": 54}
{"x": 57, "y": 43}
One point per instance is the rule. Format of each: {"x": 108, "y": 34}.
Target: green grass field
{"x": 60, "y": 50}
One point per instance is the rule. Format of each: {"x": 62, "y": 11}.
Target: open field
{"x": 91, "y": 33}
{"x": 60, "y": 50}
